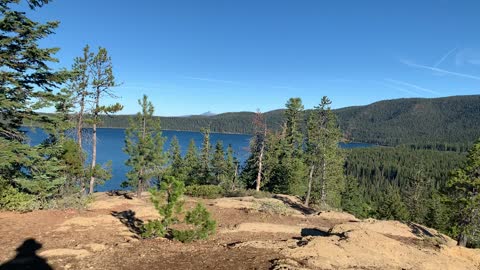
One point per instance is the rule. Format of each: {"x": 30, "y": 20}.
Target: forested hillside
{"x": 440, "y": 123}
{"x": 414, "y": 121}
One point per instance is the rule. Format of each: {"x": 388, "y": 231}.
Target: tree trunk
{"x": 309, "y": 190}
{"x": 141, "y": 173}
{"x": 94, "y": 156}
{"x": 94, "y": 140}
{"x": 235, "y": 178}
{"x": 79, "y": 136}
{"x": 260, "y": 167}
{"x": 80, "y": 121}
{"x": 140, "y": 187}
{"x": 462, "y": 240}
{"x": 323, "y": 197}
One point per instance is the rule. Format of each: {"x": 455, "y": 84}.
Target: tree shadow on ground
{"x": 129, "y": 219}
{"x": 297, "y": 206}
{"x": 27, "y": 258}
{"x": 119, "y": 193}
{"x": 420, "y": 231}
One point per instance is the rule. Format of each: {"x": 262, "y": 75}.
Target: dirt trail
{"x": 252, "y": 234}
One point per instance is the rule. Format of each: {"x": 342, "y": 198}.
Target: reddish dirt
{"x": 96, "y": 239}
{"x": 251, "y": 234}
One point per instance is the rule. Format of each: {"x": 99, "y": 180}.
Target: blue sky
{"x": 193, "y": 56}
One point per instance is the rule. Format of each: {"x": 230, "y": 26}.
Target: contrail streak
{"x": 439, "y": 62}
{"x": 473, "y": 77}
{"x": 413, "y": 86}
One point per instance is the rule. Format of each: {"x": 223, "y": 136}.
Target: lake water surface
{"x": 111, "y": 142}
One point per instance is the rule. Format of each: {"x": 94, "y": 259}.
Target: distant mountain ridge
{"x": 449, "y": 120}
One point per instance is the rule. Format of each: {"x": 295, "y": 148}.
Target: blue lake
{"x": 111, "y": 142}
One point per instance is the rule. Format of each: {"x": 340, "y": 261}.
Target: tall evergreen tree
{"x": 205, "y": 159}
{"x": 177, "y": 167}
{"x": 391, "y": 205}
{"x": 293, "y": 121}
{"x": 219, "y": 165}
{"x": 27, "y": 84}
{"x": 79, "y": 85}
{"x": 192, "y": 164}
{"x": 231, "y": 170}
{"x": 254, "y": 168}
{"x": 464, "y": 191}
{"x": 144, "y": 145}
{"x": 26, "y": 80}
{"x": 257, "y": 145}
{"x": 352, "y": 199}
{"x": 287, "y": 170}
{"x": 417, "y": 195}
{"x": 103, "y": 81}
{"x": 323, "y": 154}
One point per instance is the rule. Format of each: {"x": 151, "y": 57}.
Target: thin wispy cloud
{"x": 444, "y": 57}
{"x": 401, "y": 89}
{"x": 463, "y": 75}
{"x": 411, "y": 85}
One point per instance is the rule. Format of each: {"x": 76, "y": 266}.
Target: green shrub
{"x": 154, "y": 228}
{"x": 272, "y": 207}
{"x": 75, "y": 201}
{"x": 203, "y": 224}
{"x": 13, "y": 200}
{"x": 171, "y": 191}
{"x": 205, "y": 191}
{"x": 247, "y": 193}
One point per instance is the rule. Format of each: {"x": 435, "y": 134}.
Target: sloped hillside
{"x": 414, "y": 121}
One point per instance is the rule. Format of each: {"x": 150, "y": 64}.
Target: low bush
{"x": 272, "y": 207}
{"x": 248, "y": 192}
{"x": 171, "y": 191}
{"x": 203, "y": 224}
{"x": 13, "y": 200}
{"x": 75, "y": 201}
{"x": 205, "y": 191}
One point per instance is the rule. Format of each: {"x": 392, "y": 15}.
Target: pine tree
{"x": 274, "y": 177}
{"x": 464, "y": 192}
{"x": 417, "y": 196}
{"x": 177, "y": 168}
{"x": 205, "y": 159}
{"x": 323, "y": 154}
{"x": 192, "y": 164}
{"x": 27, "y": 84}
{"x": 391, "y": 205}
{"x": 352, "y": 199}
{"x": 287, "y": 170}
{"x": 26, "y": 80}
{"x": 144, "y": 145}
{"x": 438, "y": 216}
{"x": 231, "y": 170}
{"x": 101, "y": 71}
{"x": 79, "y": 85}
{"x": 257, "y": 145}
{"x": 293, "y": 122}
{"x": 219, "y": 165}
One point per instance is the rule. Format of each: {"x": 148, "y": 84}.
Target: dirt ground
{"x": 252, "y": 234}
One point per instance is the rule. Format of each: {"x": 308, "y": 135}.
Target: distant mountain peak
{"x": 209, "y": 113}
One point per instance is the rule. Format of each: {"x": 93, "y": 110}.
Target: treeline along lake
{"x": 111, "y": 143}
